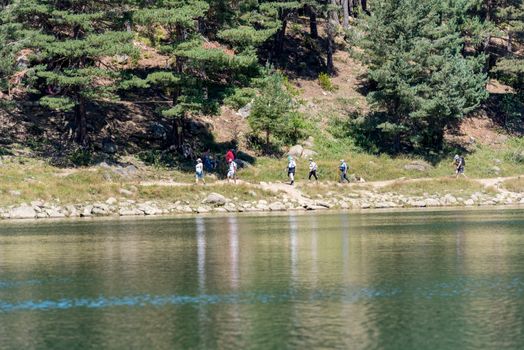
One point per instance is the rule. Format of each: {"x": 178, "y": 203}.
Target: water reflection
{"x": 396, "y": 281}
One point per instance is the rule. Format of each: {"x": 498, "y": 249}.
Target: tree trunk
{"x": 333, "y": 14}
{"x": 345, "y": 10}
{"x": 313, "y": 28}
{"x": 81, "y": 122}
{"x": 280, "y": 38}
{"x": 510, "y": 42}
{"x": 176, "y": 137}
{"x": 267, "y": 138}
{"x": 330, "y": 30}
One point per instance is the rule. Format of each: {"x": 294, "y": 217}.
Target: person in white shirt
{"x": 199, "y": 172}
{"x": 232, "y": 173}
{"x": 312, "y": 169}
{"x": 291, "y": 168}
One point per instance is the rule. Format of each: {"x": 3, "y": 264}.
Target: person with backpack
{"x": 232, "y": 172}
{"x": 199, "y": 172}
{"x": 291, "y": 168}
{"x": 312, "y": 169}
{"x": 343, "y": 171}
{"x": 460, "y": 163}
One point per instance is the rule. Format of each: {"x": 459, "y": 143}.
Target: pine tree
{"x": 274, "y": 111}
{"x": 199, "y": 68}
{"x": 72, "y": 43}
{"x": 422, "y": 83}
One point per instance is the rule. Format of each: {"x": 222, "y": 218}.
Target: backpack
{"x": 462, "y": 161}
{"x": 343, "y": 167}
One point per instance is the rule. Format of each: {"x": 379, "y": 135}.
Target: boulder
{"x": 54, "y": 213}
{"x": 125, "y": 192}
{"x": 495, "y": 169}
{"x": 87, "y": 211}
{"x": 277, "y": 206}
{"x": 111, "y": 201}
{"x": 22, "y": 212}
{"x": 469, "y": 202}
{"x": 109, "y": 147}
{"x": 432, "y": 202}
{"x": 417, "y": 204}
{"x": 202, "y": 210}
{"x": 148, "y": 209}
{"x": 245, "y": 111}
{"x": 296, "y": 151}
{"x": 157, "y": 131}
{"x": 417, "y": 165}
{"x": 323, "y": 204}
{"x": 307, "y": 153}
{"x": 215, "y": 199}
{"x": 309, "y": 143}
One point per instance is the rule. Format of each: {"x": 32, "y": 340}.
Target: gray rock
{"x": 148, "y": 209}
{"x": 109, "y": 147}
{"x": 296, "y": 151}
{"x": 432, "y": 202}
{"x": 111, "y": 201}
{"x": 385, "y": 205}
{"x": 323, "y": 204}
{"x": 307, "y": 153}
{"x": 309, "y": 143}
{"x": 157, "y": 131}
{"x": 262, "y": 207}
{"x": 416, "y": 204}
{"x": 72, "y": 211}
{"x": 365, "y": 205}
{"x": 125, "y": 192}
{"x": 495, "y": 169}
{"x": 521, "y": 201}
{"x": 54, "y": 213}
{"x": 22, "y": 212}
{"x": 202, "y": 210}
{"x": 15, "y": 193}
{"x": 130, "y": 212}
{"x": 277, "y": 206}
{"x": 215, "y": 199}
{"x": 417, "y": 165}
{"x": 87, "y": 211}
{"x": 245, "y": 111}
{"x": 344, "y": 205}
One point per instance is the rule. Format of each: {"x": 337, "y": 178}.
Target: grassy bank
{"x": 482, "y": 162}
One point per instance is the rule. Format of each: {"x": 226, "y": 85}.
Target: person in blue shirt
{"x": 343, "y": 171}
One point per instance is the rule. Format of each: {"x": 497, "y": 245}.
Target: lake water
{"x": 411, "y": 280}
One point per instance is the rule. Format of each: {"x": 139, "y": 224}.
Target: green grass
{"x": 514, "y": 185}
{"x": 440, "y": 186}
{"x": 479, "y": 163}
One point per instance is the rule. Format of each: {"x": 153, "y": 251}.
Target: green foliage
{"x": 240, "y": 97}
{"x": 325, "y": 82}
{"x": 421, "y": 82}
{"x": 275, "y": 112}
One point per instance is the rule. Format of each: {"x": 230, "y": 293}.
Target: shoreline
{"x": 478, "y": 209}
{"x": 39, "y": 212}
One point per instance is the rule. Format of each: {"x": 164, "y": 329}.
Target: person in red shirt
{"x": 230, "y": 156}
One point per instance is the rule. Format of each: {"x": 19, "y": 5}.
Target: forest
{"x": 428, "y": 64}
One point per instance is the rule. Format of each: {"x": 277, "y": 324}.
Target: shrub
{"x": 325, "y": 82}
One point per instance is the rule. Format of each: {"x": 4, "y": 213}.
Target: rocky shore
{"x": 218, "y": 203}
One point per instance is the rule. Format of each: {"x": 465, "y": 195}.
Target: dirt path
{"x": 294, "y": 192}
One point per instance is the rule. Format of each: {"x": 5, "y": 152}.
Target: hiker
{"x": 199, "y": 172}
{"x": 291, "y": 167}
{"x": 343, "y": 171}
{"x": 460, "y": 163}
{"x": 232, "y": 173}
{"x": 312, "y": 169}
{"x": 230, "y": 156}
